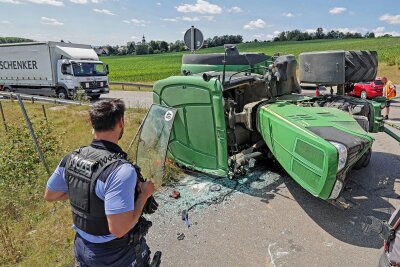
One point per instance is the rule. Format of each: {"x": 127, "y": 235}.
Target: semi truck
{"x": 52, "y": 69}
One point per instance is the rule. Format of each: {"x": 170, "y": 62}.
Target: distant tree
{"x": 163, "y": 46}
{"x": 369, "y": 35}
{"x": 319, "y": 34}
{"x": 131, "y": 48}
{"x": 142, "y": 49}
{"x": 155, "y": 45}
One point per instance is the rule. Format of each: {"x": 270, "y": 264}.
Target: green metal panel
{"x": 309, "y": 159}
{"x": 200, "y": 68}
{"x": 198, "y": 138}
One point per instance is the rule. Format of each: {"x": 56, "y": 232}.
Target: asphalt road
{"x": 269, "y": 220}
{"x": 132, "y": 99}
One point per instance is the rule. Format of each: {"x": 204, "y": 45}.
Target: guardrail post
{"x": 44, "y": 113}
{"x": 35, "y": 141}
{"x": 123, "y": 88}
{"x": 4, "y": 118}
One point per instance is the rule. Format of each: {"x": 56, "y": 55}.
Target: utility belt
{"x": 133, "y": 237}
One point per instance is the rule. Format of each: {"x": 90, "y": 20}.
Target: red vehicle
{"x": 368, "y": 89}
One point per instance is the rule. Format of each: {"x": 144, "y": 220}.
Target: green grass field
{"x": 150, "y": 68}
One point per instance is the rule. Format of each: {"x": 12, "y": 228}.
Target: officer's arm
{"x": 55, "y": 195}
{"x": 57, "y": 189}
{"x": 119, "y": 224}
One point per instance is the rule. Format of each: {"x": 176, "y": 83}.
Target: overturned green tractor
{"x": 248, "y": 112}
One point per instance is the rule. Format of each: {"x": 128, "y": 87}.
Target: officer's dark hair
{"x": 105, "y": 114}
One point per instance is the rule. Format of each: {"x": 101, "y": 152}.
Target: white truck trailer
{"x": 52, "y": 69}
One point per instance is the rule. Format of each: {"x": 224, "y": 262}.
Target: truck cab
{"x": 89, "y": 76}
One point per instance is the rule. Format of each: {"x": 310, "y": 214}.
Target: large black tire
{"x": 364, "y": 161}
{"x": 361, "y": 66}
{"x": 95, "y": 97}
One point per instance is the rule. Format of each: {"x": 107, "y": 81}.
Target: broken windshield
{"x": 153, "y": 142}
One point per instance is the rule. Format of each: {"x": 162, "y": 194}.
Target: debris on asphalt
{"x": 181, "y": 236}
{"x": 215, "y": 187}
{"x": 199, "y": 191}
{"x": 175, "y": 194}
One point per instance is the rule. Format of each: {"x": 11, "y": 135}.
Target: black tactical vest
{"x": 82, "y": 170}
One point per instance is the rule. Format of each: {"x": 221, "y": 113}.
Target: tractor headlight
{"x": 336, "y": 189}
{"x": 342, "y": 152}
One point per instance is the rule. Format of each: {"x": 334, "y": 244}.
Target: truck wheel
{"x": 363, "y": 95}
{"x": 361, "y": 66}
{"x": 95, "y": 97}
{"x": 364, "y": 161}
{"x": 7, "y": 89}
{"x": 62, "y": 93}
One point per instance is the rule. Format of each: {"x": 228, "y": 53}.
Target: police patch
{"x": 82, "y": 166}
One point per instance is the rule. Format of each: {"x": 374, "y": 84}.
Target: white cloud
{"x": 255, "y": 24}
{"x": 337, "y": 10}
{"x": 135, "y": 38}
{"x": 235, "y": 9}
{"x": 350, "y": 30}
{"x": 5, "y": 22}
{"x": 51, "y": 21}
{"x": 289, "y": 15}
{"x": 201, "y": 6}
{"x": 190, "y": 18}
{"x": 84, "y": 1}
{"x": 170, "y": 19}
{"x": 262, "y": 36}
{"x": 380, "y": 31}
{"x": 48, "y": 2}
{"x": 15, "y": 2}
{"x": 391, "y": 19}
{"x": 137, "y": 22}
{"x": 158, "y": 4}
{"x": 103, "y": 11}
{"x": 185, "y": 18}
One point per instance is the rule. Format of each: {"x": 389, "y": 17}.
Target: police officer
{"x": 106, "y": 195}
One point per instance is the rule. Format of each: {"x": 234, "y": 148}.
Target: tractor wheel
{"x": 361, "y": 66}
{"x": 62, "y": 93}
{"x": 363, "y": 95}
{"x": 364, "y": 161}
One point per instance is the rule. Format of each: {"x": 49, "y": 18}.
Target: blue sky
{"x": 114, "y": 22}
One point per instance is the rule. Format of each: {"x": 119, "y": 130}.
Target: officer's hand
{"x": 151, "y": 206}
{"x": 146, "y": 188}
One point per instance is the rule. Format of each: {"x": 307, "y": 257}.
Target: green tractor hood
{"x": 300, "y": 138}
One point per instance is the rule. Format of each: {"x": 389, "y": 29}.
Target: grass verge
{"x": 32, "y": 231}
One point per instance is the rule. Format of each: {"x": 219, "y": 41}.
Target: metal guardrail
{"x": 34, "y": 98}
{"x": 138, "y": 85}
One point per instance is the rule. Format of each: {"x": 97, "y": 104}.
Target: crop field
{"x": 150, "y": 68}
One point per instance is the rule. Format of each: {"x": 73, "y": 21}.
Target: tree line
{"x": 298, "y": 35}
{"x": 158, "y": 47}
{"x": 10, "y": 40}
